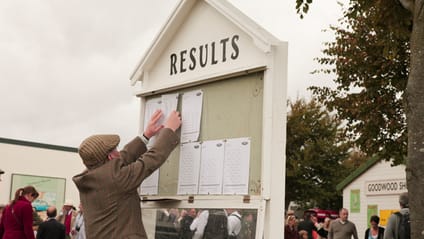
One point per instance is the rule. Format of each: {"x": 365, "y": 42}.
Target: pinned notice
{"x": 191, "y": 114}
{"x": 236, "y": 166}
{"x": 167, "y": 103}
{"x": 211, "y": 166}
{"x": 188, "y": 179}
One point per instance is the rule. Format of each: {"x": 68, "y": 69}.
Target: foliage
{"x": 401, "y": 30}
{"x": 315, "y": 153}
{"x": 370, "y": 57}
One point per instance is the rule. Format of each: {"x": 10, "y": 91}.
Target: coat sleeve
{"x": 40, "y": 231}
{"x": 330, "y": 231}
{"x": 355, "y": 232}
{"x": 367, "y": 231}
{"x": 27, "y": 221}
{"x": 132, "y": 151}
{"x": 129, "y": 177}
{"x": 390, "y": 231}
{"x": 1, "y": 223}
{"x": 380, "y": 232}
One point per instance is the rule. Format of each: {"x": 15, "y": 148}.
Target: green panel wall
{"x": 232, "y": 108}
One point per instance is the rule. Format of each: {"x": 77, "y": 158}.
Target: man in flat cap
{"x": 392, "y": 226}
{"x": 108, "y": 188}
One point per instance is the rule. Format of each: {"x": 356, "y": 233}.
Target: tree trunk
{"x": 415, "y": 119}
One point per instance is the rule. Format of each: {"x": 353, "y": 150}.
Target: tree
{"x": 371, "y": 62}
{"x": 390, "y": 13}
{"x": 315, "y": 153}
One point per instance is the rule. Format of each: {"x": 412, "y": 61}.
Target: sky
{"x": 65, "y": 65}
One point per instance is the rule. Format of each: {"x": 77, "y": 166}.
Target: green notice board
{"x": 232, "y": 108}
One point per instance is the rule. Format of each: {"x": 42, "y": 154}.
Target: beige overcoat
{"x": 109, "y": 193}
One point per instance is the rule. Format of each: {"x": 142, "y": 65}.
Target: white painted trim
{"x": 270, "y": 203}
{"x": 159, "y": 42}
{"x": 262, "y": 38}
{"x": 273, "y": 141}
{"x": 196, "y": 81}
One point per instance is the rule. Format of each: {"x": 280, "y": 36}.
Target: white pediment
{"x": 201, "y": 40}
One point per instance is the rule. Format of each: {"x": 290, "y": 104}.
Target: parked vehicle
{"x": 321, "y": 214}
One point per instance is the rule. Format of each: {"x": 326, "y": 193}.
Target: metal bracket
{"x": 246, "y": 199}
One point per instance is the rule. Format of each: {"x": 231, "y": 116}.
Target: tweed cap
{"x": 94, "y": 149}
{"x": 404, "y": 199}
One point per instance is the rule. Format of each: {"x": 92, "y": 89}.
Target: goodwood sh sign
{"x": 384, "y": 187}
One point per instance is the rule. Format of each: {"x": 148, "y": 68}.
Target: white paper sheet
{"x": 169, "y": 103}
{"x": 166, "y": 103}
{"x": 188, "y": 177}
{"x": 150, "y": 107}
{"x": 236, "y": 166}
{"x": 149, "y": 186}
{"x": 191, "y": 114}
{"x": 211, "y": 167}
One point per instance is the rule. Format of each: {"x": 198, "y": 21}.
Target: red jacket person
{"x": 108, "y": 188}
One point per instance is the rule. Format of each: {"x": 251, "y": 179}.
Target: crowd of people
{"x": 115, "y": 175}
{"x": 342, "y": 228}
{"x": 205, "y": 224}
{"x": 19, "y": 220}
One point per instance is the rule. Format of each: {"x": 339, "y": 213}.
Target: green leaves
{"x": 371, "y": 58}
{"x": 302, "y": 7}
{"x": 316, "y": 150}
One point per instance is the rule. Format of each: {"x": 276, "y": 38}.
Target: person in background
{"x": 199, "y": 223}
{"x": 185, "y": 222}
{"x": 79, "y": 230}
{"x": 322, "y": 228}
{"x": 392, "y": 225}
{"x": 248, "y": 228}
{"x": 109, "y": 184}
{"x": 234, "y": 223}
{"x": 36, "y": 219}
{"x": 290, "y": 230}
{"x": 307, "y": 224}
{"x": 342, "y": 228}
{"x": 51, "y": 228}
{"x": 67, "y": 217}
{"x": 303, "y": 234}
{"x": 16, "y": 220}
{"x": 374, "y": 232}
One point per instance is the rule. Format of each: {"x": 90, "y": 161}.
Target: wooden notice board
{"x": 232, "y": 108}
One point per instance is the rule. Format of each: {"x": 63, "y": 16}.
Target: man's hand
{"x": 174, "y": 120}
{"x": 153, "y": 127}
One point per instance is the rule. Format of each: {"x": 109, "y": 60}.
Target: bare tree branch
{"x": 421, "y": 10}
{"x": 408, "y": 4}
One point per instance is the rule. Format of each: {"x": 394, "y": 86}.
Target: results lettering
{"x": 204, "y": 55}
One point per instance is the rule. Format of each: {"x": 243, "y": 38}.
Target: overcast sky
{"x": 65, "y": 65}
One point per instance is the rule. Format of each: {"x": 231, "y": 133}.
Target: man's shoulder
{"x": 52, "y": 222}
{"x": 350, "y": 222}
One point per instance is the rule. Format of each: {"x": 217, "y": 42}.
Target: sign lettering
{"x": 380, "y": 187}
{"x": 203, "y": 55}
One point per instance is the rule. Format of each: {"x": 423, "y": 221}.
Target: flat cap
{"x": 94, "y": 149}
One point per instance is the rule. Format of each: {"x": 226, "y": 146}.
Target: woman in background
{"x": 374, "y": 232}
{"x": 17, "y": 220}
{"x": 290, "y": 231}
